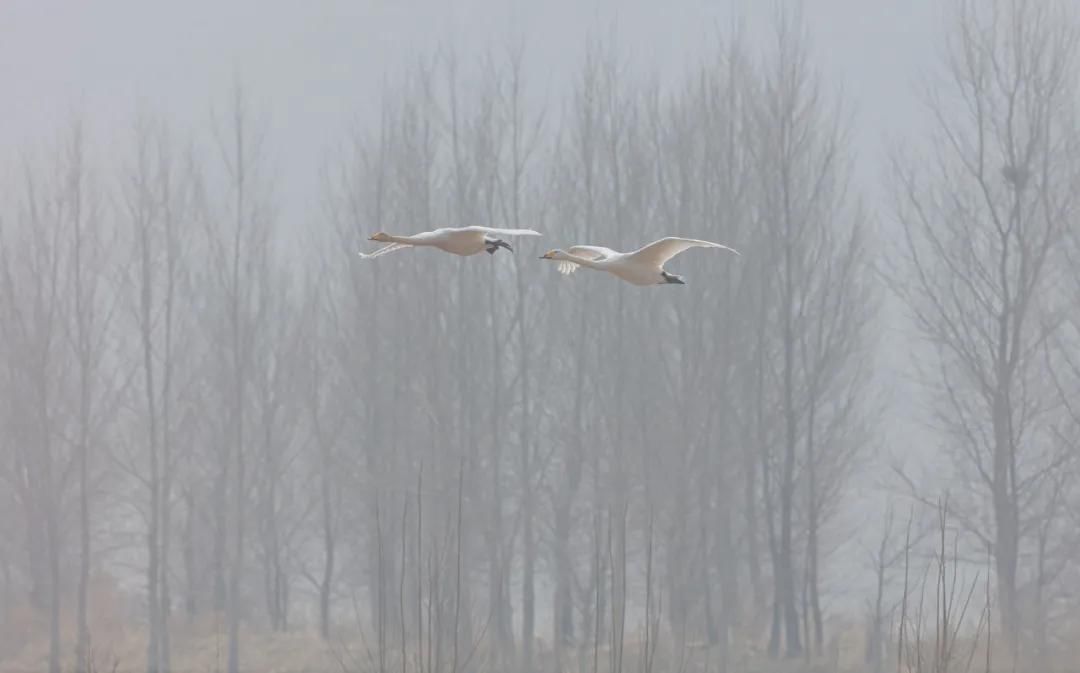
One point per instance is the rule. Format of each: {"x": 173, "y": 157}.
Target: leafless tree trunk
{"x": 86, "y": 336}
{"x": 239, "y": 250}
{"x": 325, "y": 437}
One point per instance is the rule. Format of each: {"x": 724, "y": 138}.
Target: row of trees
{"x": 461, "y": 456}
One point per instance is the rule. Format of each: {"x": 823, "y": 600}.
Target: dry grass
{"x": 191, "y": 652}
{"x": 202, "y": 648}
{"x": 197, "y": 648}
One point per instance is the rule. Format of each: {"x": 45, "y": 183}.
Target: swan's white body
{"x": 462, "y": 241}
{"x": 641, "y": 267}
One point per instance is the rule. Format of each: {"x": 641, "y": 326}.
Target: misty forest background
{"x": 226, "y": 446}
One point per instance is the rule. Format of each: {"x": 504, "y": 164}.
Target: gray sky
{"x": 315, "y": 66}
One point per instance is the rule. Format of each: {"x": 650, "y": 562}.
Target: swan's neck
{"x": 591, "y": 263}
{"x": 407, "y": 240}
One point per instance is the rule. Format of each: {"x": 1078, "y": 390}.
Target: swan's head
{"x": 553, "y": 254}
{"x": 380, "y": 237}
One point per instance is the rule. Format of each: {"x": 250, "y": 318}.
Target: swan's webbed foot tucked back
{"x": 493, "y": 244}
{"x": 671, "y": 279}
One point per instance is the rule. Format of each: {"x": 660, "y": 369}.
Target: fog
{"x": 229, "y": 442}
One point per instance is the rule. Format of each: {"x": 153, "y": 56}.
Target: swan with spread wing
{"x": 462, "y": 241}
{"x": 641, "y": 267}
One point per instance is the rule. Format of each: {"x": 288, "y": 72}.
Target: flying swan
{"x": 641, "y": 267}
{"x": 462, "y": 241}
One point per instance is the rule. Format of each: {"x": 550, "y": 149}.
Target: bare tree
{"x": 238, "y": 245}
{"x": 326, "y": 426}
{"x": 982, "y": 214}
{"x": 703, "y": 187}
{"x": 157, "y": 196}
{"x": 815, "y": 247}
{"x": 523, "y": 137}
{"x": 59, "y": 339}
{"x": 88, "y": 332}
{"x": 278, "y": 410}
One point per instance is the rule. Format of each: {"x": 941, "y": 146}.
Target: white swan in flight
{"x": 462, "y": 241}
{"x": 641, "y": 267}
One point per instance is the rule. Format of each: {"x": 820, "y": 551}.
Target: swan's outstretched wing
{"x": 593, "y": 252}
{"x": 661, "y": 251}
{"x": 382, "y": 251}
{"x": 503, "y": 232}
